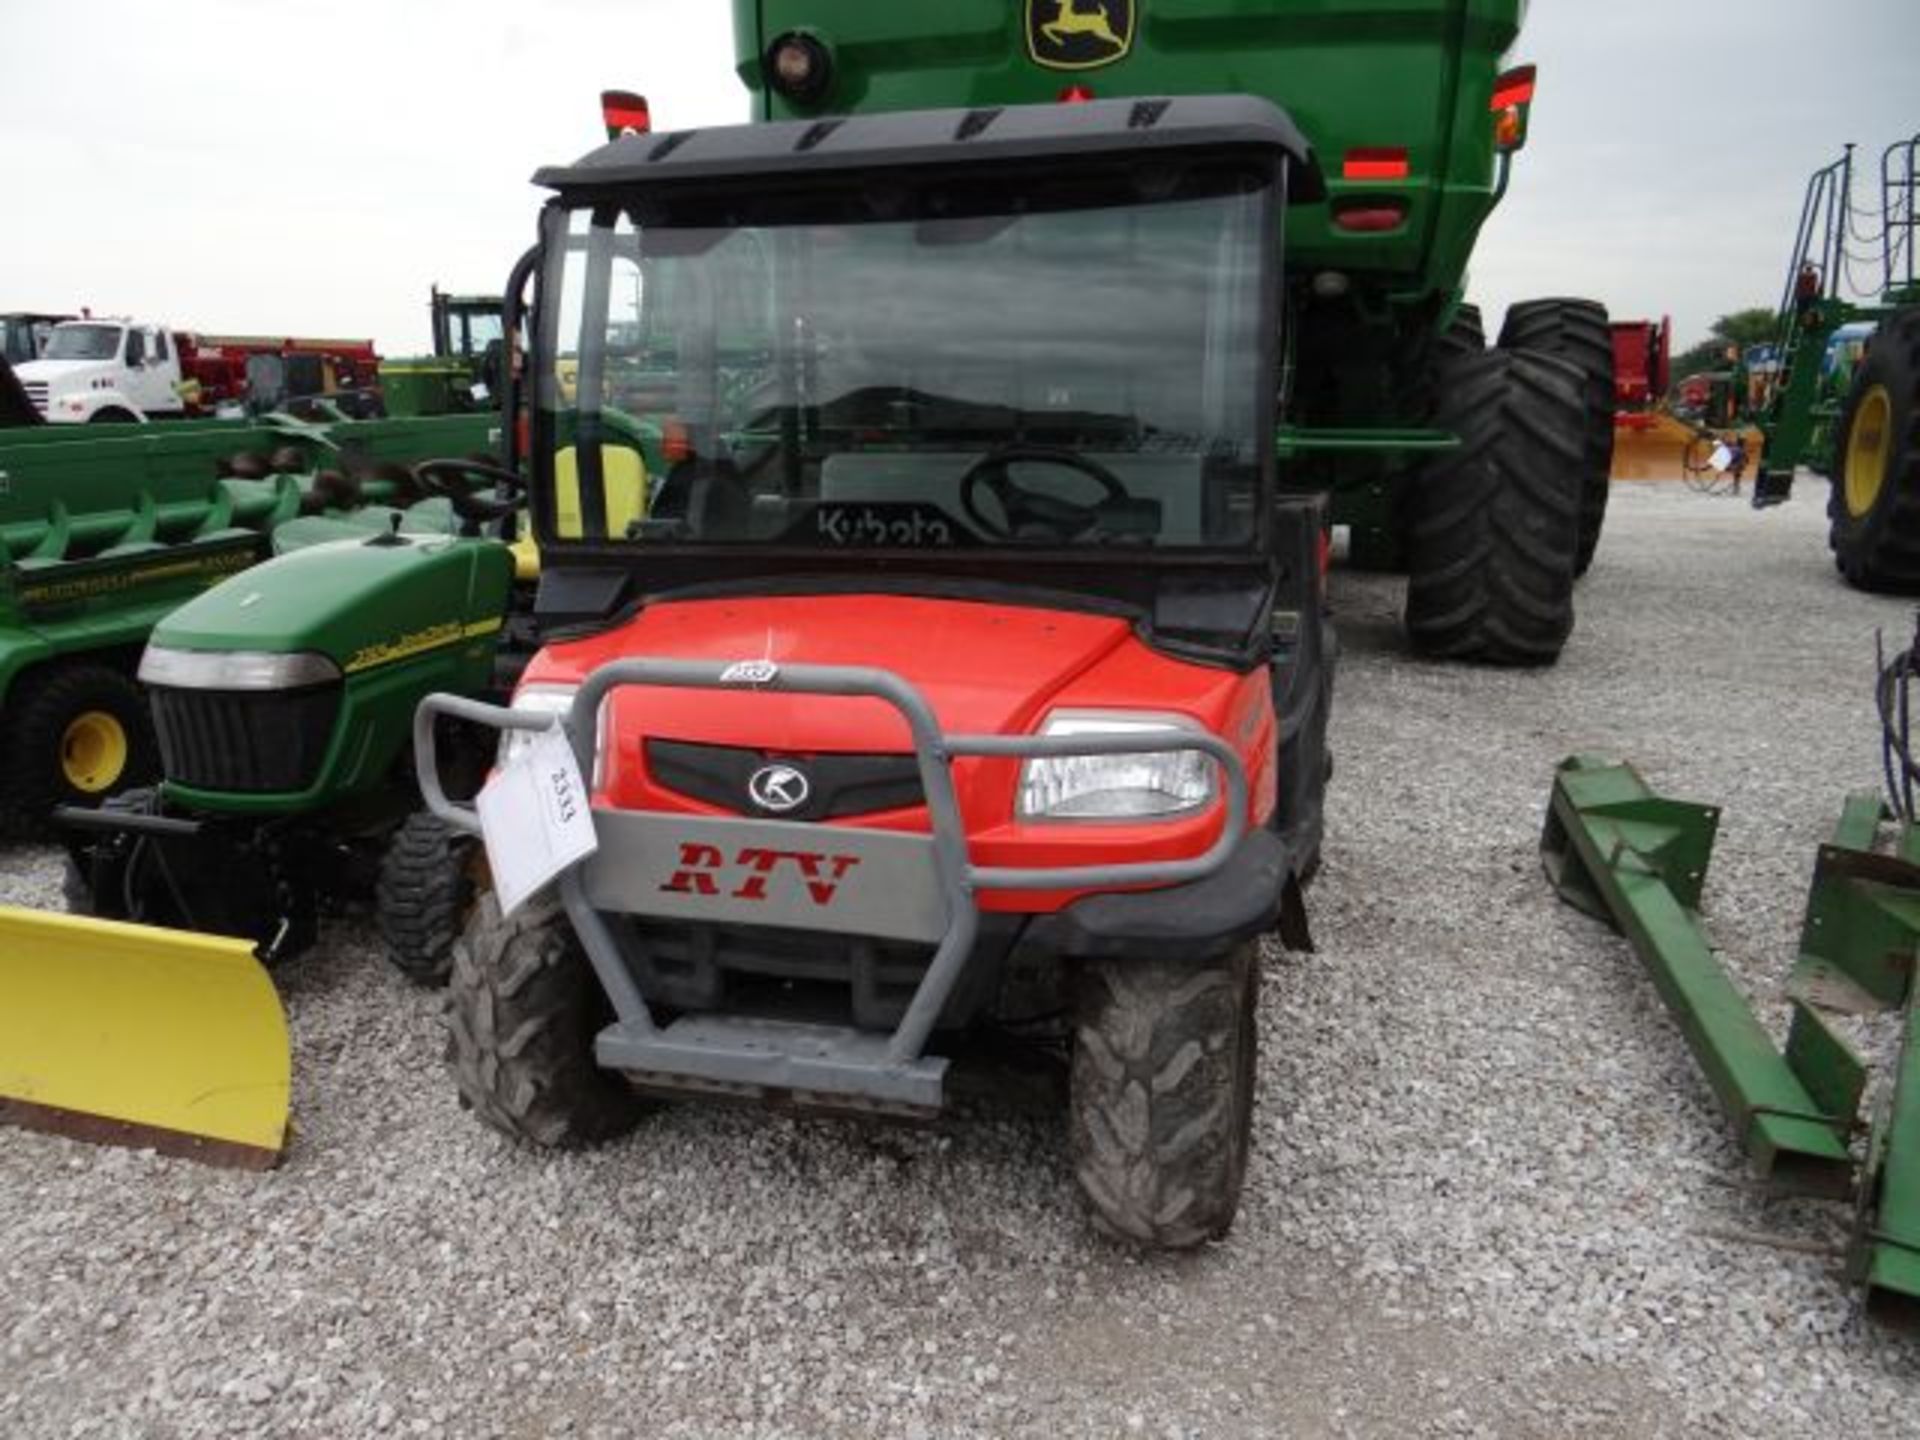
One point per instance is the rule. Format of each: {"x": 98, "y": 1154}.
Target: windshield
{"x": 474, "y": 330}
{"x": 926, "y": 368}
{"x": 84, "y": 342}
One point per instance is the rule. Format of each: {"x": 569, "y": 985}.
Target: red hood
{"x": 984, "y": 668}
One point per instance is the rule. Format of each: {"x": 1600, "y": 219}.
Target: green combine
{"x": 1480, "y": 472}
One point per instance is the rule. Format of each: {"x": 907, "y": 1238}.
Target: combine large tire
{"x": 1162, "y": 1095}
{"x": 424, "y": 896}
{"x": 1874, "y": 508}
{"x": 523, "y": 1009}
{"x": 76, "y": 733}
{"x": 1464, "y": 336}
{"x": 1467, "y": 335}
{"x": 1579, "y": 332}
{"x": 1494, "y": 525}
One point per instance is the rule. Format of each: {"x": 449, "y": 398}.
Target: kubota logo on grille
{"x": 778, "y": 787}
{"x": 704, "y": 869}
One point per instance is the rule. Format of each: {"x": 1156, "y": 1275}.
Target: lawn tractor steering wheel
{"x": 1020, "y": 507}
{"x": 454, "y": 481}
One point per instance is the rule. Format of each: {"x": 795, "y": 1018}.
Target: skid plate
{"x": 742, "y": 1055}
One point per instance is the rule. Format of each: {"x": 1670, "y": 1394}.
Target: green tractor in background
{"x": 1481, "y": 472}
{"x": 1858, "y": 423}
{"x": 464, "y": 373}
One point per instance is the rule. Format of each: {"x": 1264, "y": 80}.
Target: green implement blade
{"x": 1618, "y": 851}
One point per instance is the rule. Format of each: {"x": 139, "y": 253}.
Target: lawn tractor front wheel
{"x": 1493, "y": 526}
{"x": 78, "y": 734}
{"x": 523, "y": 1008}
{"x": 1873, "y": 512}
{"x": 425, "y": 896}
{"x": 1579, "y": 332}
{"x": 1161, "y": 1094}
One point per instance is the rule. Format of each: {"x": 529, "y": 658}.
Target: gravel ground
{"x": 1491, "y": 1194}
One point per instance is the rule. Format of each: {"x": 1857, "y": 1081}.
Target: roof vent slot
{"x": 1146, "y": 114}
{"x": 669, "y": 143}
{"x": 816, "y": 132}
{"x": 974, "y": 121}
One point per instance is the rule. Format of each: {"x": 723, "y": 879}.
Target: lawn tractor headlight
{"x": 235, "y": 669}
{"x": 1154, "y": 785}
{"x": 547, "y": 700}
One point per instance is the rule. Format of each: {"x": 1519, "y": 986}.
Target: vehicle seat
{"x": 624, "y": 475}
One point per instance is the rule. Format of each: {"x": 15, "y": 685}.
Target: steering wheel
{"x": 1022, "y": 507}
{"x": 443, "y": 477}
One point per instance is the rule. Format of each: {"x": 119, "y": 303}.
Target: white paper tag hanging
{"x": 535, "y": 819}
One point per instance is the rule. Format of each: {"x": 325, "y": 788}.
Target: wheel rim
{"x": 1867, "y": 451}
{"x": 93, "y": 751}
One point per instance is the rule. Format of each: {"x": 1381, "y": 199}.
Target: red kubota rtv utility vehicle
{"x": 920, "y": 603}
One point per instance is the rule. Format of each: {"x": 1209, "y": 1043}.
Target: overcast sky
{"x": 295, "y": 167}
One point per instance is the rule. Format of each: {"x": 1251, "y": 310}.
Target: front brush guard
{"x": 931, "y": 897}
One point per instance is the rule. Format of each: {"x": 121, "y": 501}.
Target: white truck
{"x": 105, "y": 370}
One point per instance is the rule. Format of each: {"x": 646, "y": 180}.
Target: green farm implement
{"x": 103, "y": 533}
{"x": 1481, "y": 472}
{"x": 1806, "y": 1111}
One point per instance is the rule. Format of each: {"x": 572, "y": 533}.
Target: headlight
{"x": 547, "y": 700}
{"x": 234, "y": 669}
{"x": 1155, "y": 785}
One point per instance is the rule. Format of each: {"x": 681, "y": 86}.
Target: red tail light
{"x": 1075, "y": 95}
{"x": 1513, "y": 88}
{"x": 1371, "y": 218}
{"x": 1376, "y": 162}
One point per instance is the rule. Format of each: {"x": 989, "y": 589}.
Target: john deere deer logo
{"x": 1078, "y": 34}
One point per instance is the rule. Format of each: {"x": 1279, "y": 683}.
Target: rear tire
{"x": 424, "y": 896}
{"x": 1161, "y": 1095}
{"x": 77, "y": 733}
{"x": 1873, "y": 511}
{"x": 1493, "y": 526}
{"x": 1579, "y": 332}
{"x": 523, "y": 1008}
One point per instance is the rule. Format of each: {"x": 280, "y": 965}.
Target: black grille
{"x": 244, "y": 741}
{"x": 837, "y": 784}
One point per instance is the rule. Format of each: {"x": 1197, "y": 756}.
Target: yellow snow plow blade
{"x": 134, "y": 1035}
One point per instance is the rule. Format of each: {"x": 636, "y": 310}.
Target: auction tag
{"x": 535, "y": 819}
{"x": 1721, "y": 459}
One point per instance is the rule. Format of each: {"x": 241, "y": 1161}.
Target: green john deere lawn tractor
{"x": 1482, "y": 472}
{"x": 282, "y": 703}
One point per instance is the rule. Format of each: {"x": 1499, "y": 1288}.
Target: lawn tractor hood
{"x": 351, "y": 606}
{"x": 293, "y": 683}
{"x": 1095, "y": 131}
